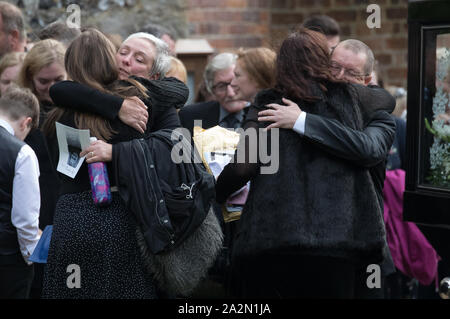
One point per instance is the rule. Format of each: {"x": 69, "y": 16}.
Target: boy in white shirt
{"x": 19, "y": 192}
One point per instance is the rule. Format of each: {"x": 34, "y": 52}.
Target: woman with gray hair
{"x": 144, "y": 57}
{"x": 133, "y": 60}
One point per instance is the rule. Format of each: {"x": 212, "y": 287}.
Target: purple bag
{"x": 101, "y": 192}
{"x": 413, "y": 255}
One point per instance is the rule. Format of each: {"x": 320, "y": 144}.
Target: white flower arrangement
{"x": 440, "y": 101}
{"x": 439, "y": 174}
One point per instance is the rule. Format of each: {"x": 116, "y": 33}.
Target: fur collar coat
{"x": 314, "y": 204}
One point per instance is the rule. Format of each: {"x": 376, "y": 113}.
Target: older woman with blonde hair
{"x": 177, "y": 70}
{"x": 10, "y": 65}
{"x": 255, "y": 70}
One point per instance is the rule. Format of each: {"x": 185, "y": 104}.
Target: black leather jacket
{"x": 169, "y": 200}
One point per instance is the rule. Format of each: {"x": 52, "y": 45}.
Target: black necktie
{"x": 230, "y": 121}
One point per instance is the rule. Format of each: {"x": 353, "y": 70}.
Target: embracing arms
{"x": 164, "y": 96}
{"x": 78, "y": 97}
{"x": 365, "y": 148}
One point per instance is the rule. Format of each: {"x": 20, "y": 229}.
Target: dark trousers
{"x": 36, "y": 286}
{"x": 15, "y": 277}
{"x": 294, "y": 276}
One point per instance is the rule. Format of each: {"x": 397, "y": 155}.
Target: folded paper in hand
{"x": 70, "y": 143}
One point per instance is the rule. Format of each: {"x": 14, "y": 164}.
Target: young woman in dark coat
{"x": 307, "y": 227}
{"x": 101, "y": 241}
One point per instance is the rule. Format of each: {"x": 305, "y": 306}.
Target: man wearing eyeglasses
{"x": 224, "y": 110}
{"x": 351, "y": 61}
{"x": 227, "y": 112}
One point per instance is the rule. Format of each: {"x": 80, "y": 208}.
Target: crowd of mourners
{"x": 308, "y": 230}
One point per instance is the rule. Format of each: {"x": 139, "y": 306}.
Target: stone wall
{"x": 112, "y": 16}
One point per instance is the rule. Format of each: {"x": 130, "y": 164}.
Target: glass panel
{"x": 436, "y": 111}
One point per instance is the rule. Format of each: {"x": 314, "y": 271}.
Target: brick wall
{"x": 230, "y": 24}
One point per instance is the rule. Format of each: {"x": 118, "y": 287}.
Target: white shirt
{"x": 26, "y": 198}
{"x": 299, "y": 125}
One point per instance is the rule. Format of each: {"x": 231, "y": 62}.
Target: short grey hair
{"x": 161, "y": 64}
{"x": 357, "y": 47}
{"x": 221, "y": 61}
{"x": 12, "y": 19}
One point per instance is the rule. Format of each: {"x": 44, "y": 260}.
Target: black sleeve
{"x": 186, "y": 120}
{"x": 235, "y": 175}
{"x": 79, "y": 97}
{"x": 167, "y": 92}
{"x": 166, "y": 118}
{"x": 165, "y": 97}
{"x": 365, "y": 148}
{"x": 372, "y": 99}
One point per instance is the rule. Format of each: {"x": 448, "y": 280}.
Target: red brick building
{"x": 230, "y": 24}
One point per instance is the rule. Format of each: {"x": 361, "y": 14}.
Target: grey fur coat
{"x": 315, "y": 204}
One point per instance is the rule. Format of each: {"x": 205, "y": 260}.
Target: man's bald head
{"x": 353, "y": 61}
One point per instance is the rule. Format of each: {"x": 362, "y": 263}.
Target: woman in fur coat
{"x": 307, "y": 227}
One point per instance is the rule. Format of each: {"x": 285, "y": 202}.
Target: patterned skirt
{"x": 94, "y": 252}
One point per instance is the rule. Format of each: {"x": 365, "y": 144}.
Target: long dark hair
{"x": 303, "y": 60}
{"x": 303, "y": 73}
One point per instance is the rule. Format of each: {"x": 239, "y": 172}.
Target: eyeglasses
{"x": 220, "y": 87}
{"x": 336, "y": 68}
